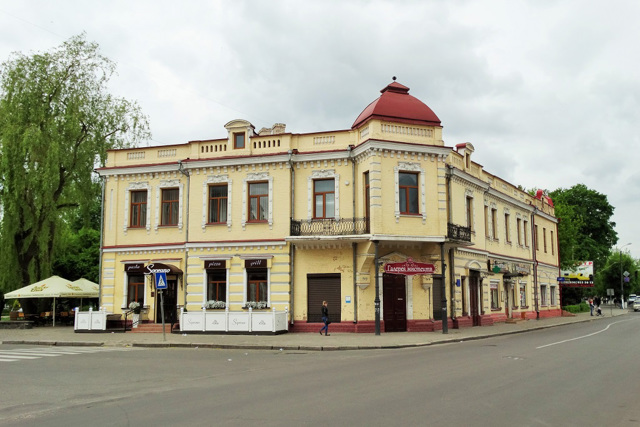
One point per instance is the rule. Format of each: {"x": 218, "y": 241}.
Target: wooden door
{"x": 474, "y": 300}
{"x": 395, "y": 304}
{"x": 170, "y": 298}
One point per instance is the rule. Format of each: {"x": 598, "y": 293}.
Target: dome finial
{"x": 393, "y": 78}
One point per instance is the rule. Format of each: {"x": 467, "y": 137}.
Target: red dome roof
{"x": 395, "y": 104}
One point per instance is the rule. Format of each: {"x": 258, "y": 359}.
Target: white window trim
{"x": 218, "y": 179}
{"x": 205, "y": 288}
{"x": 323, "y": 174}
{"x": 173, "y": 183}
{"x": 125, "y": 293}
{"x": 255, "y": 177}
{"x": 411, "y": 167}
{"x": 134, "y": 186}
{"x": 246, "y": 285}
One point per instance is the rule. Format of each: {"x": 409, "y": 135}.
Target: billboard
{"x": 581, "y": 275}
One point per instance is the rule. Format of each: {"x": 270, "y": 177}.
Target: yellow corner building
{"x": 276, "y": 221}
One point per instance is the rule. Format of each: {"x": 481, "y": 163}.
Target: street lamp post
{"x": 621, "y": 278}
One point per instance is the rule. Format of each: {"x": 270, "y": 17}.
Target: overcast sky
{"x": 547, "y": 91}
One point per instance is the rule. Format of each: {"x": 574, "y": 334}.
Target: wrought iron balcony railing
{"x": 458, "y": 232}
{"x": 329, "y": 227}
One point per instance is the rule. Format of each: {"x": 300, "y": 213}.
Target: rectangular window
{"x": 507, "y": 235}
{"x": 367, "y": 204}
{"x": 324, "y": 196}
{"x": 138, "y": 217}
{"x": 135, "y": 289}
{"x": 218, "y": 203}
{"x": 552, "y": 249}
{"x": 543, "y": 295}
{"x": 544, "y": 239}
{"x": 525, "y": 229}
{"x": 523, "y": 294}
{"x": 553, "y": 295}
{"x": 257, "y": 285}
{"x": 470, "y": 213}
{"x": 238, "y": 140}
{"x": 170, "y": 206}
{"x": 494, "y": 225}
{"x": 495, "y": 302}
{"x": 537, "y": 237}
{"x": 217, "y": 285}
{"x": 258, "y": 201}
{"x": 408, "y": 193}
{"x": 519, "y": 231}
{"x": 486, "y": 221}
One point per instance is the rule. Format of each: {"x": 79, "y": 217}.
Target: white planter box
{"x": 90, "y": 321}
{"x": 234, "y": 321}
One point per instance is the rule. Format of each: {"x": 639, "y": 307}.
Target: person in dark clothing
{"x": 325, "y": 319}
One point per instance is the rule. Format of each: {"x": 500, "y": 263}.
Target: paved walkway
{"x": 65, "y": 335}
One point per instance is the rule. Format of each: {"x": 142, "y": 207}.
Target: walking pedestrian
{"x": 325, "y": 319}
{"x": 591, "y": 305}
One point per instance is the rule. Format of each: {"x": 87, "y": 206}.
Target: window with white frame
{"x": 553, "y": 294}
{"x": 523, "y": 294}
{"x": 324, "y": 198}
{"x": 257, "y": 283}
{"x": 410, "y": 190}
{"x": 543, "y": 295}
{"x": 495, "y": 295}
{"x": 138, "y": 209}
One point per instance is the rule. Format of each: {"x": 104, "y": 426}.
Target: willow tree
{"x": 57, "y": 119}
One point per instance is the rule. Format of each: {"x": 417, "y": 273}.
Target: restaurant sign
{"x": 409, "y": 268}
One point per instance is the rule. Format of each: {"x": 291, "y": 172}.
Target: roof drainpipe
{"x": 102, "y": 184}
{"x": 354, "y": 245}
{"x": 451, "y": 253}
{"x": 535, "y": 260}
{"x": 186, "y": 237}
{"x": 292, "y": 249}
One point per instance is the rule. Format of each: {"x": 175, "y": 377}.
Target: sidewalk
{"x": 65, "y": 336}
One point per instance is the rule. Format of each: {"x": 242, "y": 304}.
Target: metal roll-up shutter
{"x": 323, "y": 287}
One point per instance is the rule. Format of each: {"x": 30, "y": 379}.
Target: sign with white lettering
{"x": 409, "y": 268}
{"x": 255, "y": 263}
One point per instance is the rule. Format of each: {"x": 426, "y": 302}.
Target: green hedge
{"x": 578, "y": 308}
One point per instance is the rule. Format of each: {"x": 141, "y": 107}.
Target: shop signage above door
{"x": 138, "y": 267}
{"x": 409, "y": 268}
{"x": 157, "y": 268}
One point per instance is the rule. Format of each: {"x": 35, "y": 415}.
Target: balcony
{"x": 329, "y": 227}
{"x": 458, "y": 233}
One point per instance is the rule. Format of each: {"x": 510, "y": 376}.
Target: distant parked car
{"x": 632, "y": 299}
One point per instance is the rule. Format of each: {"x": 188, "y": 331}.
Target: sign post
{"x": 161, "y": 284}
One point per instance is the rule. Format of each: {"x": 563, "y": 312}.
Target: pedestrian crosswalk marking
{"x": 14, "y": 355}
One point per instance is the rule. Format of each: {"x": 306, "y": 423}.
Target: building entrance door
{"x": 395, "y": 304}
{"x": 170, "y": 297}
{"x": 474, "y": 297}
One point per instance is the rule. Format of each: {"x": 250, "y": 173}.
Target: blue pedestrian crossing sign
{"x": 161, "y": 280}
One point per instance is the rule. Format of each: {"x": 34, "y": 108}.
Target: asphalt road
{"x": 577, "y": 375}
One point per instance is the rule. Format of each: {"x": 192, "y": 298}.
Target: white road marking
{"x": 38, "y": 353}
{"x": 579, "y": 338}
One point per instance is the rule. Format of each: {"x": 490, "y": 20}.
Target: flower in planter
{"x": 256, "y": 305}
{"x": 215, "y": 304}
{"x": 135, "y": 306}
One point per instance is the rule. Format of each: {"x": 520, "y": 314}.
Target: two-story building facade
{"x": 277, "y": 220}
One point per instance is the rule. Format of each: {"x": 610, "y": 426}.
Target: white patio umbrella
{"x": 57, "y": 287}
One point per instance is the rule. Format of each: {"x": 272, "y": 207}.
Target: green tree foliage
{"x": 57, "y": 120}
{"x": 585, "y": 231}
{"x": 609, "y": 276}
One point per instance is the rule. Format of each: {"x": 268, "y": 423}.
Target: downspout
{"x": 292, "y": 249}
{"x": 534, "y": 242}
{"x": 558, "y": 252}
{"x": 451, "y": 253}
{"x": 354, "y": 245}
{"x": 186, "y": 236}
{"x": 443, "y": 266}
{"x": 102, "y": 184}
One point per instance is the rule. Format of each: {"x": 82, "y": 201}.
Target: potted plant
{"x": 135, "y": 306}
{"x": 256, "y": 305}
{"x": 211, "y": 304}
